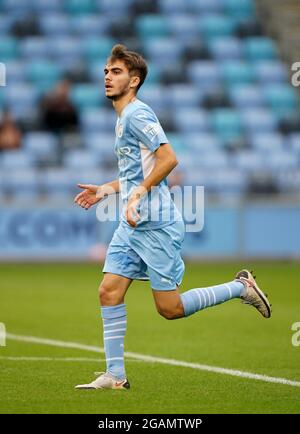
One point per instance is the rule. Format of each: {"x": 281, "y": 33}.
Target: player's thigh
{"x": 113, "y": 288}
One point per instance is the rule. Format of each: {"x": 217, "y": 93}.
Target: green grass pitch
{"x": 59, "y": 301}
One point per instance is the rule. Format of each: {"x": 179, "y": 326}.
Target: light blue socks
{"x": 114, "y": 330}
{"x": 201, "y": 298}
{"x": 115, "y": 321}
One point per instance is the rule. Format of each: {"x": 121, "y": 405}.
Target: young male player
{"x": 141, "y": 247}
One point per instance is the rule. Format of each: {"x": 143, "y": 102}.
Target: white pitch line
{"x": 55, "y": 359}
{"x": 151, "y": 359}
{"x": 51, "y": 359}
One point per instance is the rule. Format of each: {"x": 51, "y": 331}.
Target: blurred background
{"x": 220, "y": 74}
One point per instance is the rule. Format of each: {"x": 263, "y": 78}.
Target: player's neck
{"x": 120, "y": 104}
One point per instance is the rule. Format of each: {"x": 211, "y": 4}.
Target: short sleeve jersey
{"x": 138, "y": 135}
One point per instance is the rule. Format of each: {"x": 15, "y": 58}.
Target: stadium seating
{"x": 215, "y": 80}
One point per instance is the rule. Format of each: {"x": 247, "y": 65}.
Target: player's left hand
{"x": 131, "y": 214}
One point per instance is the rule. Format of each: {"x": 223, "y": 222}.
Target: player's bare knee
{"x": 109, "y": 295}
{"x": 105, "y": 294}
{"x": 167, "y": 314}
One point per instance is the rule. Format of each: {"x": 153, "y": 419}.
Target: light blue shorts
{"x": 147, "y": 255}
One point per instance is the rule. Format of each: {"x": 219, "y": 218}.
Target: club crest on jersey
{"x": 120, "y": 131}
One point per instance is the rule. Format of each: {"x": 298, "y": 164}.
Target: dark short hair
{"x": 135, "y": 63}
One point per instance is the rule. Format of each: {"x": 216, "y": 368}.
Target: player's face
{"x": 117, "y": 80}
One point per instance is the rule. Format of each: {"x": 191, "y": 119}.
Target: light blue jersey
{"x": 138, "y": 135}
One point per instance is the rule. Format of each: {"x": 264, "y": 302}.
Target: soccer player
{"x": 143, "y": 248}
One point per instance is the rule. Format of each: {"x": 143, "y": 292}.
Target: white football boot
{"x": 253, "y": 295}
{"x": 105, "y": 381}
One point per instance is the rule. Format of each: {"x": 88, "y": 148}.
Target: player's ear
{"x": 135, "y": 80}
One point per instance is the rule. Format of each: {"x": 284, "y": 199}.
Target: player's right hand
{"x": 88, "y": 197}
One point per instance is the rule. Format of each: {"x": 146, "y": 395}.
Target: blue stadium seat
{"x": 113, "y": 7}
{"x": 177, "y": 141}
{"x": 281, "y": 97}
{"x": 267, "y": 142}
{"x": 17, "y": 159}
{"x": 229, "y": 182}
{"x": 163, "y": 50}
{"x": 34, "y": 47}
{"x": 183, "y": 96}
{"x": 270, "y": 71}
{"x": 213, "y": 159}
{"x": 205, "y": 74}
{"x": 203, "y": 142}
{"x": 248, "y": 161}
{"x": 216, "y": 25}
{"x": 86, "y": 95}
{"x": 43, "y": 146}
{"x": 154, "y": 96}
{"x": 258, "y": 120}
{"x": 96, "y": 48}
{"x": 152, "y": 26}
{"x": 239, "y": 8}
{"x": 14, "y": 72}
{"x": 79, "y": 6}
{"x": 235, "y": 72}
{"x": 96, "y": 70}
{"x": 44, "y": 87}
{"x": 183, "y": 26}
{"x": 16, "y": 6}
{"x": 5, "y": 24}
{"x": 177, "y": 7}
{"x": 282, "y": 160}
{"x": 55, "y": 24}
{"x": 46, "y": 6}
{"x": 8, "y": 48}
{"x": 226, "y": 123}
{"x": 294, "y": 142}
{"x": 246, "y": 96}
{"x": 43, "y": 71}
{"x": 78, "y": 159}
{"x": 191, "y": 120}
{"x": 192, "y": 6}
{"x": 201, "y": 177}
{"x": 204, "y": 6}
{"x": 99, "y": 142}
{"x": 260, "y": 48}
{"x": 59, "y": 182}
{"x": 89, "y": 25}
{"x": 154, "y": 73}
{"x": 64, "y": 47}
{"x": 228, "y": 48}
{"x": 93, "y": 176}
{"x": 97, "y": 120}
{"x": 22, "y": 184}
{"x": 101, "y": 147}
{"x": 21, "y": 94}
